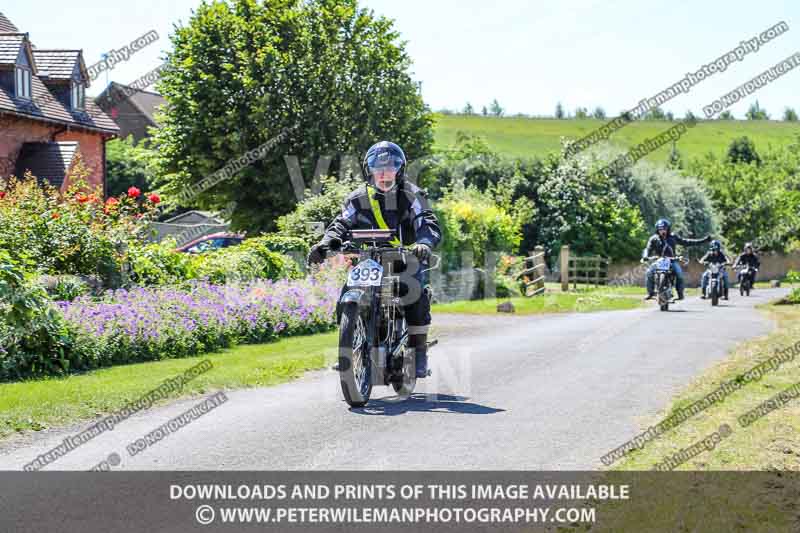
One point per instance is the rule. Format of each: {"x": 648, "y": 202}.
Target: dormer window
{"x": 22, "y": 82}
{"x": 78, "y": 97}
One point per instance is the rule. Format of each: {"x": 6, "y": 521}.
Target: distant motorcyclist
{"x": 715, "y": 255}
{"x": 388, "y": 201}
{"x": 749, "y": 258}
{"x": 663, "y": 243}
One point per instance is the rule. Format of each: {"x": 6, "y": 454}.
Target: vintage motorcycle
{"x": 714, "y": 287}
{"x": 746, "y": 274}
{"x": 664, "y": 277}
{"x": 373, "y": 335}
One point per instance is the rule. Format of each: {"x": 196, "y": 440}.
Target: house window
{"x": 23, "y": 83}
{"x": 78, "y": 96}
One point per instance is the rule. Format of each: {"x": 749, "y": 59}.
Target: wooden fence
{"x": 586, "y": 270}
{"x": 532, "y": 275}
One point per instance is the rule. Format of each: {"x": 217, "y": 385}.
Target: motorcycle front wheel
{"x": 714, "y": 295}
{"x": 355, "y": 364}
{"x": 663, "y": 297}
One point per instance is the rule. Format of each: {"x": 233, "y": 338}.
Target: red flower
{"x": 133, "y": 192}
{"x": 82, "y": 198}
{"x": 154, "y": 198}
{"x": 2, "y": 194}
{"x": 54, "y": 216}
{"x": 93, "y": 198}
{"x": 112, "y": 201}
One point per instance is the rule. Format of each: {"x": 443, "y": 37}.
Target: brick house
{"x": 134, "y": 110}
{"x": 45, "y": 118}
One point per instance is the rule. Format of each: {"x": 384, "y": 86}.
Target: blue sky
{"x": 527, "y": 54}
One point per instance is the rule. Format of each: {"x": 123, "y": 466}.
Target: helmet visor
{"x": 384, "y": 161}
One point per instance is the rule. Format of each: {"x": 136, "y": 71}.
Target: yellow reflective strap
{"x": 376, "y": 211}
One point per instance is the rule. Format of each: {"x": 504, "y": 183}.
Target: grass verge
{"x": 43, "y": 403}
{"x": 772, "y": 442}
{"x": 550, "y": 302}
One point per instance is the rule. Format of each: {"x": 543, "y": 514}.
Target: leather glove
{"x": 422, "y": 251}
{"x": 317, "y": 254}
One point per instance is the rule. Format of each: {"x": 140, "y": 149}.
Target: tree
{"x": 468, "y": 109}
{"x": 726, "y": 115}
{"x": 495, "y": 108}
{"x": 307, "y": 78}
{"x": 790, "y": 115}
{"x": 655, "y": 113}
{"x": 689, "y": 116}
{"x": 484, "y": 111}
{"x": 581, "y": 113}
{"x": 559, "y": 111}
{"x": 129, "y": 165}
{"x": 669, "y": 115}
{"x": 599, "y": 113}
{"x": 743, "y": 150}
{"x": 755, "y": 112}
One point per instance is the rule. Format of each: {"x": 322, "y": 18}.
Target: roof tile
{"x": 6, "y": 26}
{"x": 47, "y": 161}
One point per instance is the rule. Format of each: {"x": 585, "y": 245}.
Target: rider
{"x": 388, "y": 201}
{"x": 663, "y": 244}
{"x": 749, "y": 258}
{"x": 714, "y": 255}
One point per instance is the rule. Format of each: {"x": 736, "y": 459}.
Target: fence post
{"x": 565, "y": 268}
{"x": 538, "y": 255}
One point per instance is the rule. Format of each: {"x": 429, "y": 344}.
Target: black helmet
{"x": 663, "y": 223}
{"x": 383, "y": 154}
{"x": 716, "y": 246}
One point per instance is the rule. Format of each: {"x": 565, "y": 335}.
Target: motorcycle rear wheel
{"x": 355, "y": 364}
{"x": 406, "y": 388}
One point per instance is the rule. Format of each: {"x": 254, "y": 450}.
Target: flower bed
{"x": 147, "y": 324}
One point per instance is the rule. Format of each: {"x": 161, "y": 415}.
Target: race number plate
{"x": 367, "y": 273}
{"x": 664, "y": 264}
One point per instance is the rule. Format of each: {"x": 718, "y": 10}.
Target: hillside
{"x": 537, "y": 136}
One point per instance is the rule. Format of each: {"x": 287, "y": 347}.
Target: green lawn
{"x": 528, "y": 137}
{"x": 39, "y": 404}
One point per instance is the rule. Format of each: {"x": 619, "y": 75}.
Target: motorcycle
{"x": 664, "y": 277}
{"x": 373, "y": 334}
{"x": 746, "y": 273}
{"x": 714, "y": 288}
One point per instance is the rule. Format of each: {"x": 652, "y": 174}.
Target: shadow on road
{"x": 434, "y": 403}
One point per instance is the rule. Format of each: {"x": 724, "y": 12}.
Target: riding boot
{"x": 419, "y": 342}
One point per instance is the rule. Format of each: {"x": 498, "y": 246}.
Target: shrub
{"x": 160, "y": 264}
{"x": 73, "y": 233}
{"x": 471, "y": 222}
{"x": 34, "y": 338}
{"x": 282, "y": 255}
{"x": 64, "y": 288}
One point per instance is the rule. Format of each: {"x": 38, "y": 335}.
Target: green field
{"x": 528, "y": 137}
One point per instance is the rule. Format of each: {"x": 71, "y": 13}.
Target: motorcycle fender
{"x": 358, "y": 296}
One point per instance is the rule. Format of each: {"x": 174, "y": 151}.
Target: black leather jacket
{"x": 748, "y": 259}
{"x": 656, "y": 246}
{"x": 406, "y": 207}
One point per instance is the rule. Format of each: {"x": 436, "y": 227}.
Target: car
{"x": 214, "y": 241}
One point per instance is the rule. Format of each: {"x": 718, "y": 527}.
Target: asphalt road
{"x": 508, "y": 392}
